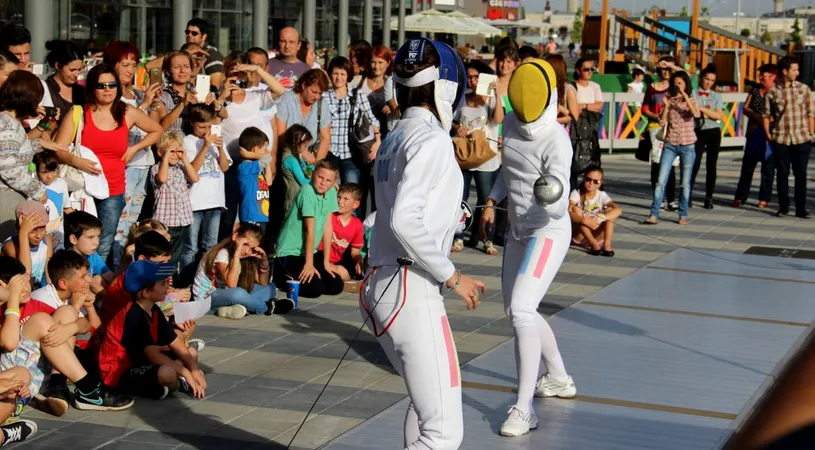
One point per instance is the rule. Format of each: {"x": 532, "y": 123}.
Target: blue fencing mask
{"x": 449, "y": 78}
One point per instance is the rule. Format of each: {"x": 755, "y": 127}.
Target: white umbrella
{"x": 432, "y": 21}
{"x": 478, "y": 24}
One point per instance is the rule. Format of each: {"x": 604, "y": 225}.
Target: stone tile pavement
{"x": 264, "y": 373}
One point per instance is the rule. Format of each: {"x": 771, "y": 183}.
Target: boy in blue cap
{"x": 138, "y": 350}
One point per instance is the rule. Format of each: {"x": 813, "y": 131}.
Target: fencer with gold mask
{"x": 535, "y": 148}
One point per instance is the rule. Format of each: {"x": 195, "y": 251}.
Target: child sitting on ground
{"x": 308, "y": 223}
{"x": 25, "y": 338}
{"x": 69, "y": 301}
{"x": 171, "y": 179}
{"x": 31, "y": 221}
{"x": 138, "y": 350}
{"x": 57, "y": 190}
{"x": 235, "y": 275}
{"x": 593, "y": 214}
{"x": 254, "y": 172}
{"x": 82, "y": 231}
{"x": 207, "y": 197}
{"x": 296, "y": 172}
{"x": 136, "y": 230}
{"x": 347, "y": 234}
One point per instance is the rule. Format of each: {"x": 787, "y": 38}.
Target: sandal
{"x": 458, "y": 245}
{"x": 650, "y": 221}
{"x": 489, "y": 248}
{"x": 608, "y": 253}
{"x": 683, "y": 221}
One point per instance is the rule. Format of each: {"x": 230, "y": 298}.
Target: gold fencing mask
{"x": 530, "y": 89}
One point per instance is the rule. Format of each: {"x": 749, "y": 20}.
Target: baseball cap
{"x": 30, "y": 207}
{"x": 141, "y": 272}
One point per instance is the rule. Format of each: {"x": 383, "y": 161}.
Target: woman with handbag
{"x": 19, "y": 96}
{"x": 106, "y": 123}
{"x": 677, "y": 117}
{"x": 475, "y": 128}
{"x": 350, "y": 111}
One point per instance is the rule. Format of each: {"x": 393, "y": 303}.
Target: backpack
{"x": 360, "y": 134}
{"x": 585, "y": 143}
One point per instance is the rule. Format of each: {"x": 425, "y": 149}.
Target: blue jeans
{"x": 687, "y": 155}
{"x": 109, "y": 211}
{"x": 135, "y": 185}
{"x": 484, "y": 181}
{"x": 203, "y": 234}
{"x": 254, "y": 302}
{"x": 349, "y": 172}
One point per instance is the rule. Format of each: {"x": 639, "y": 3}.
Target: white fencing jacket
{"x": 545, "y": 148}
{"x": 418, "y": 195}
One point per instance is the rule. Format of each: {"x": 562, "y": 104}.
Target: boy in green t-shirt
{"x": 307, "y": 223}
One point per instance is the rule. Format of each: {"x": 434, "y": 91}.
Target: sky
{"x": 717, "y": 7}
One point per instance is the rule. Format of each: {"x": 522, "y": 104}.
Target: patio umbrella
{"x": 478, "y": 24}
{"x": 432, "y": 21}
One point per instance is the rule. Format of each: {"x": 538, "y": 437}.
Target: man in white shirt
{"x": 16, "y": 39}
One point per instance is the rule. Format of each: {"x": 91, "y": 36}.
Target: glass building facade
{"x": 149, "y": 23}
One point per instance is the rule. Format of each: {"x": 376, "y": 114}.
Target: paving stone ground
{"x": 264, "y": 373}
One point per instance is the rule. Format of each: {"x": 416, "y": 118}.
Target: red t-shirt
{"x": 28, "y": 309}
{"x": 109, "y": 146}
{"x": 344, "y": 235}
{"x": 116, "y": 299}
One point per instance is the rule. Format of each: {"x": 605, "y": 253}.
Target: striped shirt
{"x": 16, "y": 153}
{"x": 340, "y": 117}
{"x": 790, "y": 107}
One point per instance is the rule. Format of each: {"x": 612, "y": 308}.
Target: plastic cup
{"x": 293, "y": 290}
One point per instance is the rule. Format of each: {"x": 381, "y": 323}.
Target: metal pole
{"x": 367, "y": 21}
{"x": 738, "y": 16}
{"x": 143, "y": 30}
{"x": 39, "y": 19}
{"x": 386, "y": 22}
{"x": 260, "y": 23}
{"x": 401, "y": 35}
{"x": 182, "y": 13}
{"x": 309, "y": 20}
{"x": 342, "y": 29}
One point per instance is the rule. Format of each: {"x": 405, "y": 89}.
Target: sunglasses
{"x": 110, "y": 85}
{"x": 592, "y": 180}
{"x": 191, "y": 33}
{"x": 588, "y": 69}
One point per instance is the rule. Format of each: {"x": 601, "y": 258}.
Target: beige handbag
{"x": 472, "y": 151}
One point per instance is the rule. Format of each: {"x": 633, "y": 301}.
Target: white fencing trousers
{"x": 411, "y": 325}
{"x": 530, "y": 264}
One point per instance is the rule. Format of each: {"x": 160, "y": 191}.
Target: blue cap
{"x": 139, "y": 273}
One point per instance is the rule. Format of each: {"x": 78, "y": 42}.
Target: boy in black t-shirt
{"x": 139, "y": 352}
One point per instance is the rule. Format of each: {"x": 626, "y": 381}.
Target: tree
{"x": 577, "y": 27}
{"x": 746, "y": 32}
{"x": 795, "y": 36}
{"x": 684, "y": 12}
{"x": 766, "y": 38}
{"x": 704, "y": 12}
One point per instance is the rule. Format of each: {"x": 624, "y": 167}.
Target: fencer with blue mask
{"x": 536, "y": 163}
{"x": 418, "y": 195}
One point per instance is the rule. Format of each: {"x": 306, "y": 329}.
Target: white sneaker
{"x": 519, "y": 423}
{"x": 549, "y": 387}
{"x": 197, "y": 344}
{"x": 231, "y": 312}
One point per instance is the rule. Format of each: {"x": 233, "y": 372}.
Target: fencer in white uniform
{"x": 418, "y": 195}
{"x": 538, "y": 236}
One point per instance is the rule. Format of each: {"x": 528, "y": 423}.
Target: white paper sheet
{"x": 184, "y": 311}
{"x": 484, "y": 82}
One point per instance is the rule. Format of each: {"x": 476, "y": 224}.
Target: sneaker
{"x": 519, "y": 423}
{"x": 738, "y": 203}
{"x": 53, "y": 400}
{"x": 283, "y": 306}
{"x": 165, "y": 391}
{"x": 184, "y": 387}
{"x": 231, "y": 312}
{"x": 197, "y": 344}
{"x": 269, "y": 307}
{"x": 673, "y": 206}
{"x": 101, "y": 400}
{"x": 18, "y": 431}
{"x": 549, "y": 387}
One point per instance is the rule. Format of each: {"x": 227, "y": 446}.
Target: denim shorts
{"x": 29, "y": 355}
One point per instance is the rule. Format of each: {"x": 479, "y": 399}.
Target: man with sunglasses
{"x": 196, "y": 33}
